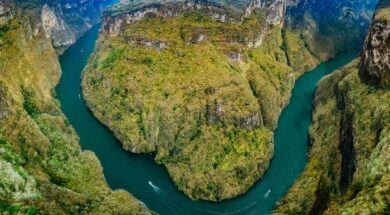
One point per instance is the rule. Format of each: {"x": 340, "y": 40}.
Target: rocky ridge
{"x": 116, "y": 20}
{"x": 375, "y": 64}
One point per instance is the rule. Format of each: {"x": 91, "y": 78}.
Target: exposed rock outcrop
{"x": 66, "y": 20}
{"x": 63, "y": 21}
{"x": 350, "y": 133}
{"x": 275, "y": 10}
{"x": 115, "y": 23}
{"x": 375, "y": 63}
{"x": 6, "y": 10}
{"x": 346, "y": 140}
{"x": 115, "y": 20}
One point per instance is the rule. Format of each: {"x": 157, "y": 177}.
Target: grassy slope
{"x": 189, "y": 101}
{"x": 383, "y": 12}
{"x": 42, "y": 166}
{"x": 319, "y": 185}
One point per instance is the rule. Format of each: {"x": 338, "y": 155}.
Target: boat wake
{"x": 247, "y": 208}
{"x": 266, "y": 195}
{"x": 155, "y": 188}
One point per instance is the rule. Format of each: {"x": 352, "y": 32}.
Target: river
{"x": 150, "y": 183}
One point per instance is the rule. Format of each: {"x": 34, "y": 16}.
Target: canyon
{"x": 201, "y": 85}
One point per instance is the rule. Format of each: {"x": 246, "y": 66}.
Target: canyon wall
{"x": 375, "y": 64}
{"x": 63, "y": 21}
{"x": 42, "y": 167}
{"x": 348, "y": 168}
{"x": 129, "y": 12}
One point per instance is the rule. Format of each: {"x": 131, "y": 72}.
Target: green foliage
{"x": 368, "y": 191}
{"x": 9, "y": 208}
{"x": 43, "y": 170}
{"x": 5, "y": 38}
{"x": 30, "y": 102}
{"x": 190, "y": 102}
{"x": 113, "y": 55}
{"x": 4, "y": 29}
{"x": 32, "y": 211}
{"x": 383, "y": 12}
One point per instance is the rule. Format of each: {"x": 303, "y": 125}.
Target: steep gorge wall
{"x": 116, "y": 19}
{"x": 348, "y": 169}
{"x": 63, "y": 21}
{"x": 42, "y": 167}
{"x": 375, "y": 65}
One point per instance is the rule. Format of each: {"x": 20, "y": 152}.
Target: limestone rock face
{"x": 115, "y": 21}
{"x": 375, "y": 63}
{"x": 129, "y": 12}
{"x": 276, "y": 9}
{"x": 6, "y": 10}
{"x": 63, "y": 21}
{"x": 66, "y": 20}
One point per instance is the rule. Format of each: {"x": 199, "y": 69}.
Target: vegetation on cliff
{"x": 349, "y": 159}
{"x": 383, "y": 12}
{"x": 197, "y": 92}
{"x": 348, "y": 169}
{"x": 42, "y": 168}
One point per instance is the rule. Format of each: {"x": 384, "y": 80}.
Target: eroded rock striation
{"x": 118, "y": 17}
{"x": 375, "y": 64}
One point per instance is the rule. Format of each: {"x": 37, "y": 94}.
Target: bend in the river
{"x": 150, "y": 183}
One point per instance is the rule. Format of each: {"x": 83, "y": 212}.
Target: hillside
{"x": 42, "y": 168}
{"x": 200, "y": 86}
{"x": 348, "y": 164}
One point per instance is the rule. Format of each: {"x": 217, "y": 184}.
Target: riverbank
{"x": 150, "y": 183}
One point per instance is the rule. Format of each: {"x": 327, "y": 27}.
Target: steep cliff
{"x": 348, "y": 170}
{"x": 63, "y": 21}
{"x": 42, "y": 168}
{"x": 128, "y": 12}
{"x": 6, "y": 10}
{"x": 201, "y": 91}
{"x": 202, "y": 83}
{"x": 375, "y": 64}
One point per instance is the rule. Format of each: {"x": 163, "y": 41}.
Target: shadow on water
{"x": 150, "y": 183}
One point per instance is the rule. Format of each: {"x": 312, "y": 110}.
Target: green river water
{"x": 150, "y": 183}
